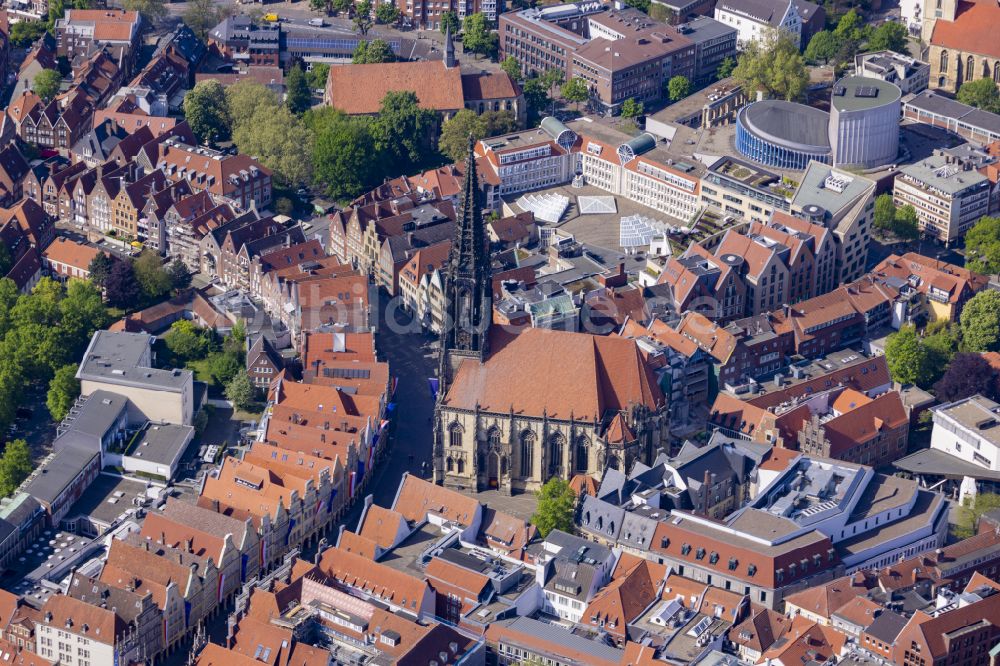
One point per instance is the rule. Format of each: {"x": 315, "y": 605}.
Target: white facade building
{"x": 969, "y": 430}
{"x": 754, "y": 20}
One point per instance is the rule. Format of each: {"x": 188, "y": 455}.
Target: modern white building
{"x": 753, "y": 19}
{"x": 969, "y": 430}
{"x": 872, "y": 519}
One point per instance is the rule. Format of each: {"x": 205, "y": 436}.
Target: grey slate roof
{"x": 113, "y": 357}
{"x": 162, "y": 443}
{"x": 765, "y": 11}
{"x": 887, "y": 626}
{"x": 563, "y": 638}
{"x": 60, "y": 471}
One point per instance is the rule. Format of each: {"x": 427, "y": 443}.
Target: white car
{"x": 317, "y": 22}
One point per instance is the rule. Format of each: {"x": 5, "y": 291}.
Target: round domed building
{"x": 783, "y": 134}
{"x": 861, "y": 130}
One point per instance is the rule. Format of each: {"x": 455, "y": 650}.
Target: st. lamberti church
{"x": 516, "y": 410}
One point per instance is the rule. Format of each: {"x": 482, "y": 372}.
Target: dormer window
{"x": 685, "y": 549}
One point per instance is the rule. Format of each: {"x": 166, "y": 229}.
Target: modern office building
{"x": 714, "y": 41}
{"x": 621, "y": 53}
{"x": 783, "y": 134}
{"x": 948, "y": 194}
{"x": 844, "y": 203}
{"x": 864, "y": 122}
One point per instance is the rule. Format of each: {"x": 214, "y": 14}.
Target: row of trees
{"x": 851, "y": 34}
{"x": 41, "y": 333}
{"x": 342, "y": 154}
{"x": 946, "y": 357}
{"x": 132, "y": 284}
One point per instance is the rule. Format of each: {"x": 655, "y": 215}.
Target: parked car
{"x": 317, "y": 22}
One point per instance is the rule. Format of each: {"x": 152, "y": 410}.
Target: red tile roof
{"x": 972, "y": 31}
{"x": 359, "y": 89}
{"x": 608, "y": 374}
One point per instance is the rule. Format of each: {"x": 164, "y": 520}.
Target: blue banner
{"x": 435, "y": 383}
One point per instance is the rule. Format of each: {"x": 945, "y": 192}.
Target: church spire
{"x": 449, "y": 48}
{"x": 468, "y": 287}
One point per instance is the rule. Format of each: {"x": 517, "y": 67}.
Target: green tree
{"x": 223, "y": 366}
{"x": 478, "y": 36}
{"x": 678, "y": 88}
{"x": 906, "y": 224}
{"x": 449, "y": 19}
{"x": 512, "y": 67}
{"x": 46, "y": 84}
{"x": 25, "y": 33}
{"x": 245, "y": 99}
{"x": 402, "y": 130}
{"x": 454, "y": 139}
{"x": 298, "y": 97}
{"x": 982, "y": 246}
{"x": 15, "y": 466}
{"x": 152, "y": 276}
{"x": 981, "y": 93}
{"x": 121, "y": 287}
{"x": 81, "y": 312}
{"x": 6, "y": 260}
{"x": 241, "y": 391}
{"x": 980, "y": 320}
{"x": 186, "y": 341}
{"x": 660, "y": 12}
{"x": 317, "y": 75}
{"x": 850, "y": 26}
{"x": 180, "y": 276}
{"x": 344, "y": 156}
{"x": 372, "y": 52}
{"x": 200, "y": 15}
{"x": 235, "y": 342}
{"x": 536, "y": 95}
{"x": 64, "y": 389}
{"x": 100, "y": 268}
{"x": 499, "y": 122}
{"x": 363, "y": 17}
{"x": 8, "y": 298}
{"x": 281, "y": 141}
{"x": 153, "y": 11}
{"x": 556, "y": 504}
{"x": 322, "y": 5}
{"x": 575, "y": 90}
{"x": 822, "y": 47}
{"x": 57, "y": 9}
{"x": 972, "y": 510}
{"x": 885, "y": 212}
{"x": 908, "y": 358}
{"x": 631, "y": 108}
{"x": 726, "y": 68}
{"x": 890, "y": 36}
{"x": 773, "y": 65}
{"x": 207, "y": 112}
{"x": 386, "y": 13}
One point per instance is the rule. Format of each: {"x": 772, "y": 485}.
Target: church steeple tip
{"x": 449, "y": 48}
